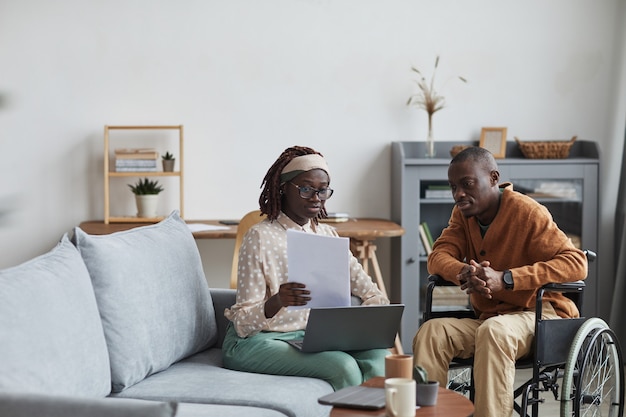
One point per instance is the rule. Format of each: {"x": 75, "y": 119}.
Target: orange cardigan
{"x": 523, "y": 238}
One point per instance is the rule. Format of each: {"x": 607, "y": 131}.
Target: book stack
{"x": 136, "y": 160}
{"x": 558, "y": 189}
{"x": 426, "y": 237}
{"x": 438, "y": 191}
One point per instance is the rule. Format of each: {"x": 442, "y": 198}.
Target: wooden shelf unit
{"x": 109, "y": 173}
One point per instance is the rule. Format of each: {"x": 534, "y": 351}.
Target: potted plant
{"x": 426, "y": 391}
{"x": 146, "y": 195}
{"x": 168, "y": 162}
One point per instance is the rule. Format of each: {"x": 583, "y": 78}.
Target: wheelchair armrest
{"x": 591, "y": 255}
{"x": 564, "y": 286}
{"x": 573, "y": 290}
{"x": 437, "y": 281}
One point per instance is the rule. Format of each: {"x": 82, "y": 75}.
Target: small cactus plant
{"x": 420, "y": 375}
{"x": 146, "y": 186}
{"x": 168, "y": 156}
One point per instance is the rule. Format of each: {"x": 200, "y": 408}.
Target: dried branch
{"x": 427, "y": 98}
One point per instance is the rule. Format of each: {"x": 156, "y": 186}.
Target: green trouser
{"x": 268, "y": 353}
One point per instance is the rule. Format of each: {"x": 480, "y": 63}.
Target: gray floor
{"x": 549, "y": 408}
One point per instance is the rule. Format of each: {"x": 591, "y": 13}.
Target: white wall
{"x": 248, "y": 78}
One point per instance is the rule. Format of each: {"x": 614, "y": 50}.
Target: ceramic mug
{"x": 399, "y": 366}
{"x": 400, "y": 397}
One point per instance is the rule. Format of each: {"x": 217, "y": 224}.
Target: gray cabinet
{"x": 567, "y": 187}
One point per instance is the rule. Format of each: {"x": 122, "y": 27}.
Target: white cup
{"x": 400, "y": 397}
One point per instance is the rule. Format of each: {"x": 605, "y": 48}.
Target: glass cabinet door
{"x": 563, "y": 198}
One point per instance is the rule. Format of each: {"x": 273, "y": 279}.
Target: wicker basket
{"x": 547, "y": 149}
{"x": 456, "y": 149}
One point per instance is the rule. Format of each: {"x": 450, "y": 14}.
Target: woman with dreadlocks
{"x": 295, "y": 190}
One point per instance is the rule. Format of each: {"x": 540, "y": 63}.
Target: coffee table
{"x": 449, "y": 404}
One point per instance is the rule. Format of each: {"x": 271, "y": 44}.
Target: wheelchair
{"x": 579, "y": 360}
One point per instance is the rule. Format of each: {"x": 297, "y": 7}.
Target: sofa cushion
{"x": 20, "y": 405}
{"x": 201, "y": 378}
{"x": 51, "y": 337}
{"x": 152, "y": 295}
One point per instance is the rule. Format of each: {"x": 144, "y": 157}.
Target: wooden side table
{"x": 449, "y": 404}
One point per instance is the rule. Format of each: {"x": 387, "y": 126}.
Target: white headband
{"x": 302, "y": 164}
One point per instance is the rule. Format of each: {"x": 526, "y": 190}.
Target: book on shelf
{"x": 557, "y": 189}
{"x": 429, "y": 235}
{"x": 136, "y": 153}
{"x": 438, "y": 191}
{"x": 131, "y": 165}
{"x": 135, "y": 163}
{"x": 422, "y": 249}
{"x": 424, "y": 238}
{"x": 135, "y": 169}
{"x": 438, "y": 194}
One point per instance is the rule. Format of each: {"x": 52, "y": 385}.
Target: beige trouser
{"x": 495, "y": 344}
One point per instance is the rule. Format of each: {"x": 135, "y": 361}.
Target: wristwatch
{"x": 508, "y": 280}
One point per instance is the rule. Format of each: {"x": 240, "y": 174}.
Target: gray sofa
{"x": 126, "y": 325}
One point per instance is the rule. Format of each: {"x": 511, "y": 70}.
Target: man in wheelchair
{"x": 500, "y": 246}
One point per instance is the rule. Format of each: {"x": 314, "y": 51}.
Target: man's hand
{"x": 480, "y": 278}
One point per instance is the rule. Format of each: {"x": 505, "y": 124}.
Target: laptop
{"x": 350, "y": 328}
{"x": 359, "y": 396}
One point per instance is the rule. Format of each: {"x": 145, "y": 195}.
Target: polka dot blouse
{"x": 263, "y": 267}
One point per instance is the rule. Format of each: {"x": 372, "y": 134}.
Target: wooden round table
{"x": 449, "y": 404}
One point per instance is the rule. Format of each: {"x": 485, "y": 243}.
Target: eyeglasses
{"x": 308, "y": 192}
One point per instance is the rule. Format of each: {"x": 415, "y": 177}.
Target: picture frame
{"x": 494, "y": 140}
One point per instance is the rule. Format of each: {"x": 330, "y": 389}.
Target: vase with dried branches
{"x": 428, "y": 99}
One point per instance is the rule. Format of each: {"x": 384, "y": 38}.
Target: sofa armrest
{"x": 28, "y": 405}
{"x": 222, "y": 298}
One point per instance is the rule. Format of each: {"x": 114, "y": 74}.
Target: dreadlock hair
{"x": 270, "y": 201}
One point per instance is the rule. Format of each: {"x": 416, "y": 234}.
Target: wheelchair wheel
{"x": 460, "y": 380}
{"x": 593, "y": 376}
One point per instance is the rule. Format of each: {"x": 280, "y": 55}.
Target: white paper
{"x": 322, "y": 263}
